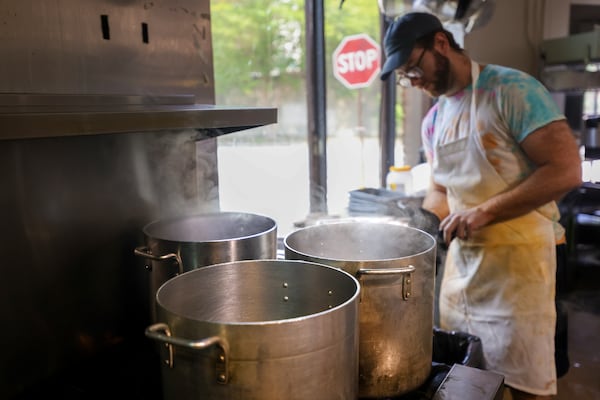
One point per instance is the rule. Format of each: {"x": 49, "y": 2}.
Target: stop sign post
{"x": 357, "y": 61}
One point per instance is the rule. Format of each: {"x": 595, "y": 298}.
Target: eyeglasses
{"x": 414, "y": 72}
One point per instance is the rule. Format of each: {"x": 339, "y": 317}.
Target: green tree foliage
{"x": 259, "y": 45}
{"x": 259, "y": 54}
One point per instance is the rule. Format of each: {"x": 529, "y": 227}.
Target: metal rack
{"x": 571, "y": 63}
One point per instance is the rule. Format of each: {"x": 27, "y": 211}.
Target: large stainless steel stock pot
{"x": 395, "y": 265}
{"x": 259, "y": 330}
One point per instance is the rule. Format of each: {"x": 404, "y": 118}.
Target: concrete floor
{"x": 582, "y": 301}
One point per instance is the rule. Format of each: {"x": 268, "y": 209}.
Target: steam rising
{"x": 210, "y": 227}
{"x": 360, "y": 241}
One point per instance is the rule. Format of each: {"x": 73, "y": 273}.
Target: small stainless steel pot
{"x": 181, "y": 244}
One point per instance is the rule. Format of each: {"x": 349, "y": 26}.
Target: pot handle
{"x": 406, "y": 278}
{"x": 161, "y": 332}
{"x": 144, "y": 251}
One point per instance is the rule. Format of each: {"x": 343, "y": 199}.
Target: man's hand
{"x": 463, "y": 224}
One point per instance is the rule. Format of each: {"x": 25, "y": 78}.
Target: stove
{"x": 456, "y": 371}
{"x": 131, "y": 370}
{"x": 458, "y": 382}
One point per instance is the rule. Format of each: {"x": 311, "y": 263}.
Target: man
{"x": 501, "y": 155}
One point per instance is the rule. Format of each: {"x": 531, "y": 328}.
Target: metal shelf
{"x": 26, "y": 116}
{"x": 567, "y": 79}
{"x": 565, "y": 60}
{"x": 580, "y": 48}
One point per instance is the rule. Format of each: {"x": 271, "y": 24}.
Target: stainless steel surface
{"x": 161, "y": 332}
{"x": 569, "y": 79}
{"x": 565, "y": 60}
{"x": 183, "y": 243}
{"x": 108, "y": 116}
{"x": 100, "y": 66}
{"x": 69, "y": 52}
{"x": 289, "y": 330}
{"x": 61, "y": 117}
{"x": 396, "y": 311}
{"x": 72, "y": 210}
{"x": 466, "y": 383}
{"x": 590, "y": 136}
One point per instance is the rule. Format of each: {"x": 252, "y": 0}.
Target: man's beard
{"x": 442, "y": 74}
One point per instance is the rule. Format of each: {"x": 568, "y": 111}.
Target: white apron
{"x": 499, "y": 284}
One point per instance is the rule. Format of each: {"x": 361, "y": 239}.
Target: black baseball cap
{"x": 402, "y": 35}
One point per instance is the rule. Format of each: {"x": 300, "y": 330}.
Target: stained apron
{"x": 500, "y": 283}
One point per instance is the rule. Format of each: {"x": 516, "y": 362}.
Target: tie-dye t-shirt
{"x": 510, "y": 105}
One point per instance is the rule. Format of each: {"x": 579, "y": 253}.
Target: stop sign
{"x": 356, "y": 61}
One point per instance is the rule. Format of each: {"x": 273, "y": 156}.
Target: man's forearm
{"x": 543, "y": 186}
{"x": 435, "y": 201}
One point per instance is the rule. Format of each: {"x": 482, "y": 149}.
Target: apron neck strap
{"x": 474, "y": 73}
{"x": 474, "y": 78}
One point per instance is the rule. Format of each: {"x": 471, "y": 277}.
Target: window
{"x": 259, "y": 61}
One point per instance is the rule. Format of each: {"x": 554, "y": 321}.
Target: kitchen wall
{"x": 556, "y": 16}
{"x": 512, "y": 37}
{"x": 73, "y": 204}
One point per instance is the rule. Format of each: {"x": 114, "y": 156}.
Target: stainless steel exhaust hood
{"x": 84, "y": 67}
{"x": 26, "y": 116}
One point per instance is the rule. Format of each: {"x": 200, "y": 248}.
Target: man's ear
{"x": 440, "y": 43}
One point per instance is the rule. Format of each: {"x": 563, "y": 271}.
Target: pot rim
{"x": 174, "y": 220}
{"x": 278, "y": 322}
{"x": 356, "y": 260}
